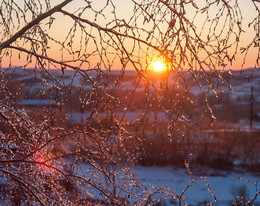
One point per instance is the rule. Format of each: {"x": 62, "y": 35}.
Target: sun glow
{"x": 158, "y": 66}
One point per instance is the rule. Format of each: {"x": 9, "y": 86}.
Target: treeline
{"x": 218, "y": 149}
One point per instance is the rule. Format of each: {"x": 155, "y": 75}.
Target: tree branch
{"x": 112, "y": 31}
{"x": 33, "y": 23}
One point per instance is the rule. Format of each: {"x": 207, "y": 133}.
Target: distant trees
{"x": 48, "y": 162}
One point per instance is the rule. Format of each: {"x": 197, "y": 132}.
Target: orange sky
{"x": 124, "y": 9}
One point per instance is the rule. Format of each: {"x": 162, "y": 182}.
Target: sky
{"x": 124, "y": 10}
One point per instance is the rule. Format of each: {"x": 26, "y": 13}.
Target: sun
{"x": 158, "y": 66}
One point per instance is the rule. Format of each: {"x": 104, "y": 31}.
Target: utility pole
{"x": 251, "y": 104}
{"x": 257, "y": 44}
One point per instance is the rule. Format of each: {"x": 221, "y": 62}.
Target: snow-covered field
{"x": 225, "y": 185}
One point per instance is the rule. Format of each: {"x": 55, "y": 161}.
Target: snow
{"x": 36, "y": 102}
{"x": 79, "y": 118}
{"x": 224, "y": 185}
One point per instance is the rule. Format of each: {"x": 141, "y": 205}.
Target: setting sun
{"x": 158, "y": 66}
